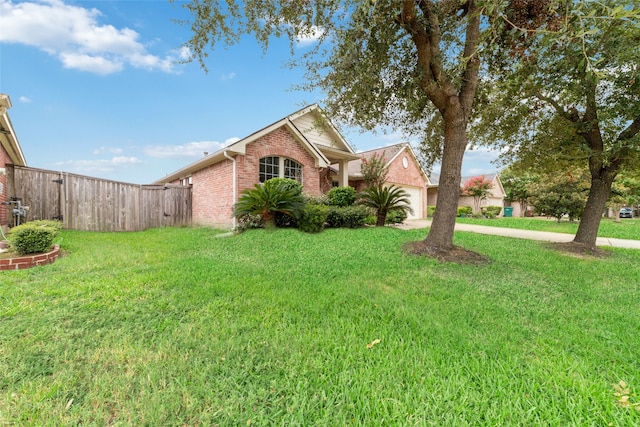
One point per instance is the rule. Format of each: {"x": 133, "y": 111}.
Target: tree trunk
{"x": 592, "y": 214}
{"x": 455, "y": 143}
{"x": 382, "y": 217}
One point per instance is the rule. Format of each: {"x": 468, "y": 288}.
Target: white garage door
{"x": 415, "y": 198}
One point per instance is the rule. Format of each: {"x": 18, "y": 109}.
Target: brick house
{"x": 403, "y": 170}
{"x": 301, "y": 146}
{"x": 495, "y": 198}
{"x": 10, "y": 154}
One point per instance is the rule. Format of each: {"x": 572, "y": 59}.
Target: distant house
{"x": 495, "y": 198}
{"x": 403, "y": 170}
{"x": 301, "y": 146}
{"x": 10, "y": 155}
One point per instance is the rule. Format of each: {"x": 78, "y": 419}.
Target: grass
{"x": 177, "y": 327}
{"x": 625, "y": 229}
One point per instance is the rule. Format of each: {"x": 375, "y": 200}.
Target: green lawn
{"x": 173, "y": 327}
{"x": 625, "y": 229}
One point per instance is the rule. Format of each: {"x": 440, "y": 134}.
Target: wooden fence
{"x": 94, "y": 204}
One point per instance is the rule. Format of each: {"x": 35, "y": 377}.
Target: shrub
{"x": 287, "y": 184}
{"x": 342, "y": 196}
{"x": 492, "y": 211}
{"x": 383, "y": 200}
{"x": 247, "y": 222}
{"x": 431, "y": 210}
{"x": 465, "y": 210}
{"x": 34, "y": 236}
{"x": 269, "y": 198}
{"x": 396, "y": 216}
{"x": 313, "y": 218}
{"x": 348, "y": 216}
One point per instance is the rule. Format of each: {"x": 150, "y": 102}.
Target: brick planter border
{"x": 20, "y": 263}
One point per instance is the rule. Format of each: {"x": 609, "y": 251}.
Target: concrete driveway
{"x": 546, "y": 236}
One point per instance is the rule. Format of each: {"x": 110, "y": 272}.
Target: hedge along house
{"x": 301, "y": 146}
{"x": 10, "y": 154}
{"x": 403, "y": 170}
{"x": 495, "y": 198}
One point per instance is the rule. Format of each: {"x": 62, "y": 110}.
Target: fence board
{"x": 94, "y": 204}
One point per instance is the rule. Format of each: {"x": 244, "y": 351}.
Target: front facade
{"x": 302, "y": 146}
{"x": 403, "y": 170}
{"x": 10, "y": 154}
{"x": 495, "y": 197}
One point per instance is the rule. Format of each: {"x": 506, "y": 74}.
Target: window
{"x": 293, "y": 170}
{"x": 279, "y": 167}
{"x": 269, "y": 168}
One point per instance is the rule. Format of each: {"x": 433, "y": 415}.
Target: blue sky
{"x": 97, "y": 89}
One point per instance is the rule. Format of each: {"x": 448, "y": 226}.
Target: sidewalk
{"x": 523, "y": 234}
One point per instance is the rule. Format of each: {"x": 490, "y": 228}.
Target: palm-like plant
{"x": 268, "y": 198}
{"x": 383, "y": 199}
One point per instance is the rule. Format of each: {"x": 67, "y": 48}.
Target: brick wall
{"x": 213, "y": 186}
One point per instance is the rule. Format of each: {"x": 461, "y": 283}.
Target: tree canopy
{"x": 572, "y": 96}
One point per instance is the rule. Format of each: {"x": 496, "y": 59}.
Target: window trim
{"x": 280, "y": 167}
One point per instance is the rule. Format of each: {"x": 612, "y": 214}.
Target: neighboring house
{"x": 495, "y": 198}
{"x": 302, "y": 146}
{"x": 403, "y": 170}
{"x": 10, "y": 154}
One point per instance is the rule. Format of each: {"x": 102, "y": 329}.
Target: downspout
{"x": 235, "y": 178}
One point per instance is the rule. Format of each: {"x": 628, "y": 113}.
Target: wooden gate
{"x": 94, "y": 204}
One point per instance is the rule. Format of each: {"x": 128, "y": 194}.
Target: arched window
{"x": 279, "y": 167}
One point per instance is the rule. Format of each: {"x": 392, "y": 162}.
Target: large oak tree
{"x": 573, "y": 95}
{"x": 403, "y": 65}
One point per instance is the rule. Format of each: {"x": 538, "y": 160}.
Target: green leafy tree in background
{"x": 577, "y": 93}
{"x": 517, "y": 187}
{"x": 558, "y": 196}
{"x": 374, "y": 170}
{"x": 411, "y": 66}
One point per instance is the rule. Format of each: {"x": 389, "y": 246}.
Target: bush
{"x": 465, "y": 210}
{"x": 492, "y": 211}
{"x": 248, "y": 222}
{"x": 34, "y": 236}
{"x": 342, "y": 196}
{"x": 287, "y": 184}
{"x": 349, "y": 216}
{"x": 396, "y": 216}
{"x": 431, "y": 210}
{"x": 313, "y": 218}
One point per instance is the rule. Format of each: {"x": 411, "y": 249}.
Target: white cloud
{"x": 228, "y": 76}
{"x": 309, "y": 36}
{"x": 24, "y": 99}
{"x": 191, "y": 149}
{"x": 74, "y": 35}
{"x": 111, "y": 150}
{"x": 93, "y": 167}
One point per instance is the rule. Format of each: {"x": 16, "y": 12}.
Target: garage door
{"x": 415, "y": 200}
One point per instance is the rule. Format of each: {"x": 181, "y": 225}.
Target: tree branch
{"x": 631, "y": 130}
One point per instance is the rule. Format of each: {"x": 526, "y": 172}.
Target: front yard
{"x": 178, "y": 327}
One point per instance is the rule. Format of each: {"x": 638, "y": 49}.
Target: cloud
{"x": 229, "y": 76}
{"x": 74, "y": 35}
{"x": 111, "y": 150}
{"x": 92, "y": 167}
{"x": 309, "y": 36}
{"x": 24, "y": 100}
{"x": 191, "y": 149}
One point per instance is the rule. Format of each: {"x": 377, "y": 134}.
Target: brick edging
{"x": 20, "y": 263}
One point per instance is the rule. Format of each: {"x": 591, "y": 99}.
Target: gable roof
{"x": 8, "y": 137}
{"x": 493, "y": 177}
{"x": 391, "y": 152}
{"x": 306, "y": 125}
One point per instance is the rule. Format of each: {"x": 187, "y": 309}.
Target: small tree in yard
{"x": 267, "y": 199}
{"x": 374, "y": 170}
{"x": 479, "y": 188}
{"x": 560, "y": 197}
{"x": 383, "y": 199}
